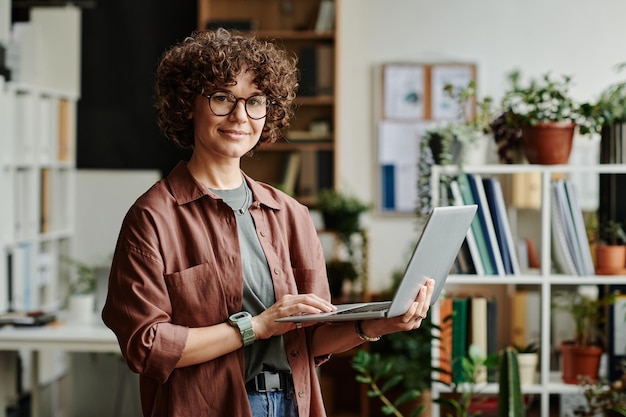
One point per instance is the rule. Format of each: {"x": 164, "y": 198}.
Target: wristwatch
{"x": 243, "y": 321}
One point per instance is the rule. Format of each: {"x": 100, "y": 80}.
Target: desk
{"x": 93, "y": 336}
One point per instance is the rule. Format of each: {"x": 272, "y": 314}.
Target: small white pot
{"x": 81, "y": 307}
{"x": 527, "y": 367}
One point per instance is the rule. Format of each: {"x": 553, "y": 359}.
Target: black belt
{"x": 267, "y": 381}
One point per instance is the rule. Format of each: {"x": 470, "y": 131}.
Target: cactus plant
{"x": 510, "y": 402}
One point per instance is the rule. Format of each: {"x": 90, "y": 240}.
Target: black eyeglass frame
{"x": 268, "y": 104}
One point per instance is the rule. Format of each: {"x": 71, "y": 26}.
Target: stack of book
{"x": 570, "y": 246}
{"x": 489, "y": 247}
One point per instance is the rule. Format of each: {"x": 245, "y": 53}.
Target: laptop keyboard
{"x": 366, "y": 308}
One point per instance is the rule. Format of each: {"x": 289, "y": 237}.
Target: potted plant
{"x": 580, "y": 356}
{"x": 455, "y": 142}
{"x": 339, "y": 272}
{"x": 603, "y": 397}
{"x": 527, "y": 358}
{"x": 611, "y": 250}
{"x": 82, "y": 290}
{"x": 341, "y": 212}
{"x": 539, "y": 119}
{"x": 379, "y": 373}
{"x": 609, "y": 109}
{"x": 342, "y": 215}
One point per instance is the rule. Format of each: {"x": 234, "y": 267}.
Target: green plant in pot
{"x": 611, "y": 249}
{"x": 338, "y": 272}
{"x": 528, "y": 359}
{"x": 85, "y": 279}
{"x": 449, "y": 143}
{"x": 609, "y": 109}
{"x": 580, "y": 356}
{"x": 538, "y": 120}
{"x": 341, "y": 212}
{"x": 603, "y": 397}
{"x": 81, "y": 290}
{"x": 379, "y": 373}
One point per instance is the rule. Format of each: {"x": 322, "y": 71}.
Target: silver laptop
{"x": 433, "y": 256}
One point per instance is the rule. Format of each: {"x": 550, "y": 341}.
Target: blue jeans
{"x": 273, "y": 403}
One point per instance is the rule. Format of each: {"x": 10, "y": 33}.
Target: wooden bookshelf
{"x": 297, "y": 26}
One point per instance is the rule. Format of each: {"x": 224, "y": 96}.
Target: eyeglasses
{"x": 222, "y": 103}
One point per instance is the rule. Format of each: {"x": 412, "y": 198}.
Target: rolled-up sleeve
{"x": 138, "y": 307}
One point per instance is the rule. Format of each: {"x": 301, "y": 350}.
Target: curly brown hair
{"x": 205, "y": 61}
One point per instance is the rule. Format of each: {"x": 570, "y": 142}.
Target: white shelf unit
{"x": 37, "y": 180}
{"x": 37, "y": 157}
{"x": 545, "y": 279}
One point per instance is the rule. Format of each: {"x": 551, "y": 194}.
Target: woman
{"x": 208, "y": 258}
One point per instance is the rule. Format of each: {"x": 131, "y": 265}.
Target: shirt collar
{"x": 186, "y": 189}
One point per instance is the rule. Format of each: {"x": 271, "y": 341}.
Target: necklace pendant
{"x": 241, "y": 211}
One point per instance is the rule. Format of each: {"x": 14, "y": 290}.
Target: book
{"x": 65, "y": 130}
{"x": 45, "y": 202}
{"x": 492, "y": 334}
{"x": 579, "y": 228}
{"x": 307, "y": 63}
{"x": 478, "y": 330}
{"x": 476, "y": 227}
{"x": 445, "y": 339}
{"x": 470, "y": 239}
{"x": 291, "y": 173}
{"x": 484, "y": 213}
{"x": 519, "y": 312}
{"x": 325, "y": 21}
{"x": 508, "y": 249}
{"x": 307, "y": 182}
{"x": 325, "y": 169}
{"x": 459, "y": 337}
{"x": 388, "y": 186}
{"x": 568, "y": 224}
{"x": 34, "y": 318}
{"x": 325, "y": 70}
{"x": 526, "y": 190}
{"x": 561, "y": 254}
{"x": 533, "y": 317}
{"x": 617, "y": 333}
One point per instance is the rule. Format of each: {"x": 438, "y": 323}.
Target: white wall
{"x": 575, "y": 37}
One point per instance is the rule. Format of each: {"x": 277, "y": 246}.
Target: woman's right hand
{"x": 265, "y": 324}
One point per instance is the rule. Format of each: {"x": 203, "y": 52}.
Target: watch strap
{"x": 243, "y": 321}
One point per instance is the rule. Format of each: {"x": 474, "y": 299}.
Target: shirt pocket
{"x": 197, "y": 296}
{"x": 310, "y": 281}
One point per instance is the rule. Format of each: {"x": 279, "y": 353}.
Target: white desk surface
{"x": 63, "y": 335}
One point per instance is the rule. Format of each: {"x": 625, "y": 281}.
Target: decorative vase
{"x": 610, "y": 259}
{"x": 81, "y": 307}
{"x": 579, "y": 361}
{"x": 527, "y": 367}
{"x": 548, "y": 143}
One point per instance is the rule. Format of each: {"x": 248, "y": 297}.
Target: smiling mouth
{"x": 235, "y": 132}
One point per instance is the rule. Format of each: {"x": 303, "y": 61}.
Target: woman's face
{"x": 220, "y": 138}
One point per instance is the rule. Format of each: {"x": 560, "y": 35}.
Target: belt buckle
{"x": 271, "y": 381}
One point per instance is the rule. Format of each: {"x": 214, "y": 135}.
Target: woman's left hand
{"x": 410, "y": 320}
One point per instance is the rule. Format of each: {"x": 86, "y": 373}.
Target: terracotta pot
{"x": 610, "y": 259}
{"x": 548, "y": 143}
{"x": 579, "y": 361}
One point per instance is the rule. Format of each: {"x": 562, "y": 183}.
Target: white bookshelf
{"x": 544, "y": 280}
{"x": 37, "y": 172}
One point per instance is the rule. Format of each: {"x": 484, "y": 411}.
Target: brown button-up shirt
{"x": 177, "y": 265}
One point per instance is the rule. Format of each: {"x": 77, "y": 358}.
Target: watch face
{"x": 243, "y": 321}
{"x": 238, "y": 316}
